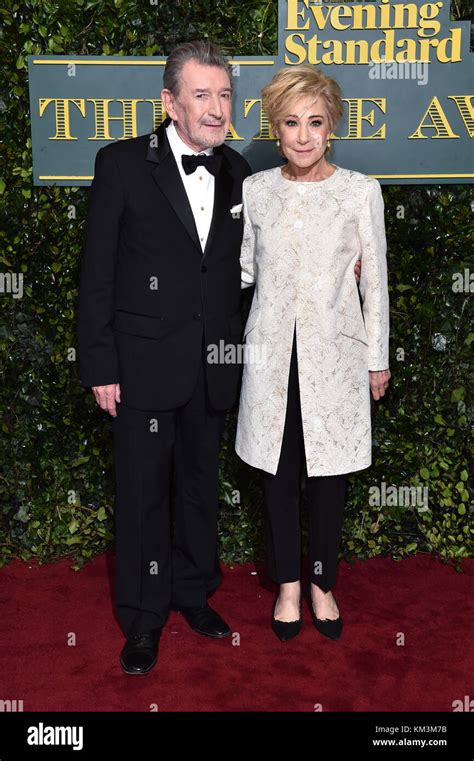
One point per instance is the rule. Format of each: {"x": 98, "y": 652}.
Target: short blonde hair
{"x": 301, "y": 81}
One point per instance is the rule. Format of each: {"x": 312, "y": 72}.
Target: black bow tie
{"x": 211, "y": 163}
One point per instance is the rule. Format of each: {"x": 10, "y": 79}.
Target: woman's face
{"x": 304, "y": 131}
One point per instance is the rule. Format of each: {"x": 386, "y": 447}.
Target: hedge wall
{"x": 56, "y": 478}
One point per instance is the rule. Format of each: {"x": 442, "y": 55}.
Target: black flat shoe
{"x": 286, "y": 630}
{"x": 331, "y": 628}
{"x": 204, "y": 620}
{"x": 140, "y": 652}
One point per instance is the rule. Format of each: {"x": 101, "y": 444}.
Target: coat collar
{"x": 166, "y": 174}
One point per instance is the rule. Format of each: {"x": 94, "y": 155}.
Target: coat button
{"x": 197, "y": 316}
{"x": 203, "y": 268}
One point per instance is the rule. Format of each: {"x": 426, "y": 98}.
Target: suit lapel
{"x": 166, "y": 175}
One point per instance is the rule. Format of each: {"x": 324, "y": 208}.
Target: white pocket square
{"x": 235, "y": 210}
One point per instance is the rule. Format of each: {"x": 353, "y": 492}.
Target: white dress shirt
{"x": 199, "y": 185}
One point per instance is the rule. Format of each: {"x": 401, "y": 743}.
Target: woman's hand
{"x": 379, "y": 382}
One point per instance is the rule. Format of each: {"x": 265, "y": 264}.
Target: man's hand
{"x": 357, "y": 268}
{"x": 106, "y": 396}
{"x": 379, "y": 381}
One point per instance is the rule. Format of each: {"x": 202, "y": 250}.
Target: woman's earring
{"x": 278, "y": 143}
{"x": 328, "y": 143}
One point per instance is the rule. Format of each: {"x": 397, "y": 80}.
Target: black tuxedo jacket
{"x": 148, "y": 294}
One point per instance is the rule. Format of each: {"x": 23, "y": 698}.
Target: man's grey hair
{"x": 204, "y": 52}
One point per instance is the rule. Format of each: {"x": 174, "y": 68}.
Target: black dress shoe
{"x": 205, "y": 620}
{"x": 286, "y": 630}
{"x": 331, "y": 628}
{"x": 140, "y": 652}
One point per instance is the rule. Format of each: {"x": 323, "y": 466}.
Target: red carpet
{"x": 430, "y": 603}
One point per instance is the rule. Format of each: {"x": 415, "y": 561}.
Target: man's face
{"x": 202, "y": 109}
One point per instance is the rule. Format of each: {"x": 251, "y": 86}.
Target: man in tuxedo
{"x": 160, "y": 285}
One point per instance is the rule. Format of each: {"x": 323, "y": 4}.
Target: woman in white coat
{"x": 313, "y": 354}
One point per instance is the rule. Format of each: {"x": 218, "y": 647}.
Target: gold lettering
{"x": 292, "y": 44}
{"x": 293, "y": 15}
{"x": 355, "y": 118}
{"x": 466, "y": 109}
{"x": 63, "y": 131}
{"x": 158, "y": 111}
{"x": 233, "y": 134}
{"x": 103, "y": 118}
{"x": 439, "y": 123}
{"x": 265, "y": 132}
{"x": 455, "y": 41}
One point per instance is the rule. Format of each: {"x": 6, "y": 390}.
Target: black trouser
{"x": 157, "y": 564}
{"x": 325, "y": 497}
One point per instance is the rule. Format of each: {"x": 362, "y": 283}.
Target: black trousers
{"x": 325, "y": 497}
{"x": 161, "y": 562}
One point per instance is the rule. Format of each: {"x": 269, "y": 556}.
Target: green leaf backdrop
{"x": 56, "y": 477}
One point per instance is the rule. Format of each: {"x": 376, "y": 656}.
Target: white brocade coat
{"x": 301, "y": 242}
